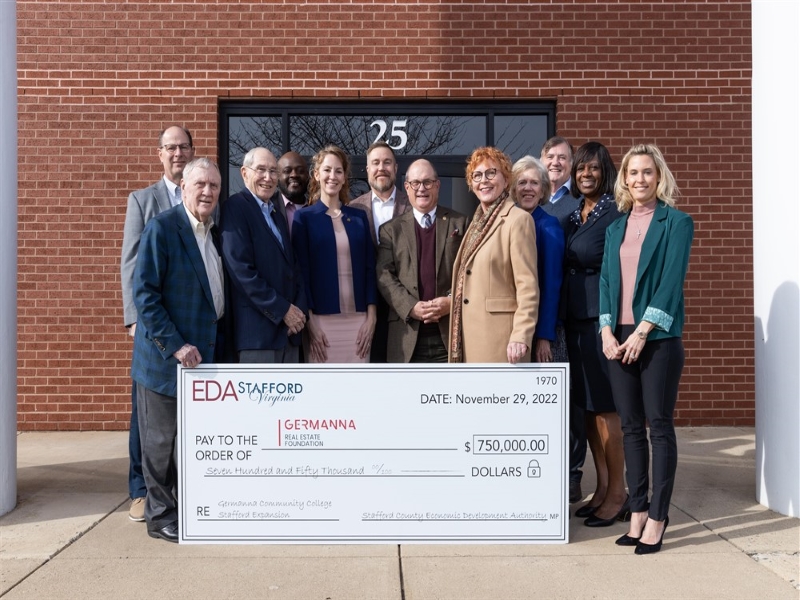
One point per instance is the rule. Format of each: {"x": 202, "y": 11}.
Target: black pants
{"x": 648, "y": 389}
{"x": 429, "y": 349}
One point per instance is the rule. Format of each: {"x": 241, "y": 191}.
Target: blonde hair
{"x": 666, "y": 190}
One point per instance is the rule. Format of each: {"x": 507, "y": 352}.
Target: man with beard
{"x": 293, "y": 185}
{"x": 382, "y": 203}
{"x": 175, "y": 150}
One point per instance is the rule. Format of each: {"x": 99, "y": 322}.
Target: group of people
{"x": 561, "y": 261}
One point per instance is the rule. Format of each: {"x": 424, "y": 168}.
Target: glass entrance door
{"x": 443, "y": 133}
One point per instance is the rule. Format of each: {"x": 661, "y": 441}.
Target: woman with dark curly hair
{"x": 495, "y": 292}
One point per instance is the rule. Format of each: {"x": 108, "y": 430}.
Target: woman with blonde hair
{"x": 337, "y": 259}
{"x": 641, "y": 317}
{"x": 495, "y": 292}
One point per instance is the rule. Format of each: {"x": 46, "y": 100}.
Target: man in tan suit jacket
{"x": 415, "y": 269}
{"x": 383, "y": 201}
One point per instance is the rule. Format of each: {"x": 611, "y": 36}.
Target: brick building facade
{"x": 98, "y": 80}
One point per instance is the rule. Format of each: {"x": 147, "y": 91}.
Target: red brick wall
{"x": 98, "y": 80}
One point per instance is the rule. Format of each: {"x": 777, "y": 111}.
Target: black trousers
{"x": 429, "y": 349}
{"x": 648, "y": 390}
{"x": 158, "y": 429}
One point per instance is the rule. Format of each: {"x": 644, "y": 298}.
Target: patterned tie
{"x": 269, "y": 216}
{"x": 177, "y": 195}
{"x": 426, "y": 220}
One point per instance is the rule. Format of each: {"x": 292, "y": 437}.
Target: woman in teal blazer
{"x": 641, "y": 319}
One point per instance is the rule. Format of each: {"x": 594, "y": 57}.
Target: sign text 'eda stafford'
{"x": 373, "y": 454}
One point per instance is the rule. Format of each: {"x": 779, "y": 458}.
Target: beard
{"x": 378, "y": 186}
{"x": 298, "y": 197}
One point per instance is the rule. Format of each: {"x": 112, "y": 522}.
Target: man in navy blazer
{"x": 175, "y": 150}
{"x": 268, "y": 300}
{"x": 179, "y": 293}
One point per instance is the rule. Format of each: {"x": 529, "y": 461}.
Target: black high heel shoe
{"x": 642, "y": 548}
{"x": 627, "y": 540}
{"x": 585, "y": 511}
{"x": 624, "y": 515}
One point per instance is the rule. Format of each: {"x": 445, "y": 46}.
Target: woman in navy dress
{"x": 337, "y": 259}
{"x": 593, "y": 176}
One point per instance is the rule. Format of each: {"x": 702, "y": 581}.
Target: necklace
{"x": 638, "y": 230}
{"x": 644, "y": 212}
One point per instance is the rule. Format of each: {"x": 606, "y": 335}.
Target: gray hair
{"x": 522, "y": 165}
{"x": 199, "y": 163}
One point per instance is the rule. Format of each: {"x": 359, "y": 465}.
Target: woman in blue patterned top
{"x": 593, "y": 177}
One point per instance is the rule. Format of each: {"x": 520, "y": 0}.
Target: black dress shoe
{"x": 575, "y": 493}
{"x": 168, "y": 533}
{"x": 585, "y": 511}
{"x": 626, "y": 540}
{"x": 624, "y": 514}
{"x": 642, "y": 548}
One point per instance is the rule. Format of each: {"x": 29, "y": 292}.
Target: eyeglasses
{"x": 478, "y": 175}
{"x": 263, "y": 171}
{"x": 173, "y": 148}
{"x": 425, "y": 183}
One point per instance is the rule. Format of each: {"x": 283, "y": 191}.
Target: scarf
{"x": 482, "y": 222}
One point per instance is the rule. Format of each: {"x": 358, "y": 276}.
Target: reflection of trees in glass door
{"x": 445, "y": 134}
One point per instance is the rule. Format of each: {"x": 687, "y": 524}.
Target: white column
{"x": 776, "y": 249}
{"x": 8, "y": 255}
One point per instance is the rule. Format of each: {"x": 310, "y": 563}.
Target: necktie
{"x": 426, "y": 220}
{"x": 269, "y": 217}
{"x": 560, "y": 192}
{"x": 177, "y": 195}
{"x": 290, "y": 210}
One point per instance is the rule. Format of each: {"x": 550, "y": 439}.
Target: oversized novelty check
{"x": 373, "y": 454}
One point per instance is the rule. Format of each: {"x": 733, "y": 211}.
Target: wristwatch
{"x": 641, "y": 334}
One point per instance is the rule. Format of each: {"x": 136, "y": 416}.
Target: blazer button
{"x": 572, "y": 271}
{"x": 466, "y": 300}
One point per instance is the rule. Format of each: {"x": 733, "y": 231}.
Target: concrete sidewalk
{"x": 70, "y": 537}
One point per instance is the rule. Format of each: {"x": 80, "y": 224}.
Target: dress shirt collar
{"x": 561, "y": 191}
{"x": 172, "y": 188}
{"x": 199, "y": 226}
{"x": 389, "y": 202}
{"x": 418, "y": 215}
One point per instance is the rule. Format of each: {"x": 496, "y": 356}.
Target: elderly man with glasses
{"x": 267, "y": 295}
{"x": 415, "y": 268}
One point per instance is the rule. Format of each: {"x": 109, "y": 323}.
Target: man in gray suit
{"x": 175, "y": 150}
{"x": 415, "y": 269}
{"x": 384, "y": 201}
